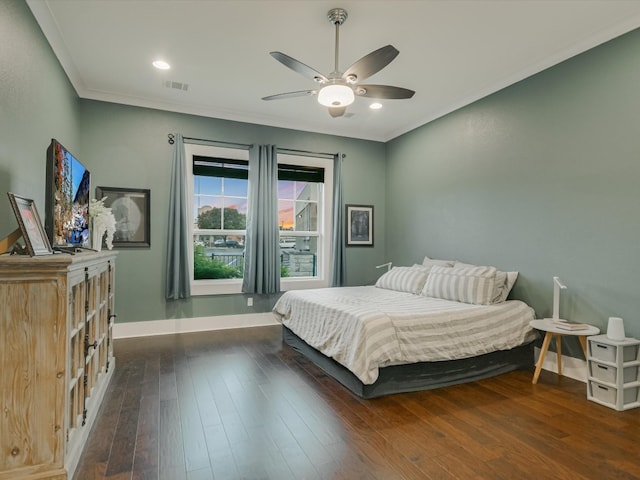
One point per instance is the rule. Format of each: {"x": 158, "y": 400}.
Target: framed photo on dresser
{"x": 36, "y": 241}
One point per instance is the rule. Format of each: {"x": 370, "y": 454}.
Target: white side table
{"x": 547, "y": 325}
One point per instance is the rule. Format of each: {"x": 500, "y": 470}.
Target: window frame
{"x": 208, "y": 287}
{"x": 325, "y": 218}
{"x": 325, "y": 204}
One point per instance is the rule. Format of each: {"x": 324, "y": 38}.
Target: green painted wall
{"x": 37, "y": 103}
{"x": 542, "y": 177}
{"x": 127, "y": 147}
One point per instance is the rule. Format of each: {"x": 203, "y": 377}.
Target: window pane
{"x": 208, "y": 215}
{"x": 306, "y": 191}
{"x": 289, "y": 243}
{"x": 218, "y": 256}
{"x": 234, "y": 219}
{"x": 220, "y": 211}
{"x": 306, "y": 217}
{"x": 207, "y": 185}
{"x": 285, "y": 214}
{"x": 235, "y": 187}
{"x": 286, "y": 189}
{"x": 301, "y": 261}
{"x": 236, "y": 203}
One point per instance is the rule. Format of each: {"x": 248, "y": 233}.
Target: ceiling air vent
{"x": 176, "y": 85}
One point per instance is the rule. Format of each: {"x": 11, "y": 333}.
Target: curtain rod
{"x": 171, "y": 139}
{"x": 307, "y": 153}
{"x": 245, "y": 146}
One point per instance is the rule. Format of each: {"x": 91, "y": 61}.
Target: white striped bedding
{"x": 366, "y": 328}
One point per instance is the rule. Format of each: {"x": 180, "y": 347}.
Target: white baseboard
{"x": 571, "y": 367}
{"x": 186, "y": 325}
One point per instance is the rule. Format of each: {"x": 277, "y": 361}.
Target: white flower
{"x": 103, "y": 220}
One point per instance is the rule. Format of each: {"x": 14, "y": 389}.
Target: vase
{"x": 96, "y": 236}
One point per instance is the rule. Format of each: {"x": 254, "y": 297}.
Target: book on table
{"x": 564, "y": 325}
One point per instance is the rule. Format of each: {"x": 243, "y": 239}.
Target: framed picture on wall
{"x": 131, "y": 209}
{"x": 35, "y": 238}
{"x": 359, "y": 225}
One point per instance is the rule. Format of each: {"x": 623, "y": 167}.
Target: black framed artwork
{"x": 131, "y": 210}
{"x": 359, "y": 225}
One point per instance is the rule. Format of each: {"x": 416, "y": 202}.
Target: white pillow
{"x": 502, "y": 291}
{"x": 504, "y": 282}
{"x": 426, "y": 268}
{"x": 403, "y": 279}
{"x": 465, "y": 284}
{"x": 429, "y": 262}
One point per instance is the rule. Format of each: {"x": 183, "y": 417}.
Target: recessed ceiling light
{"x": 161, "y": 65}
{"x": 375, "y": 106}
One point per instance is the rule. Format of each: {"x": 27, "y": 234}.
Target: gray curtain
{"x": 178, "y": 283}
{"x": 338, "y": 254}
{"x": 262, "y": 249}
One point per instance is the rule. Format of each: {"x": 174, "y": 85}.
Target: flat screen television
{"x": 67, "y": 192}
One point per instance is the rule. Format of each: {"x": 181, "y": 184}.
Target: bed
{"x": 418, "y": 328}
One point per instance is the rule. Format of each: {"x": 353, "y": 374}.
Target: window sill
{"x": 231, "y": 287}
{"x": 216, "y": 287}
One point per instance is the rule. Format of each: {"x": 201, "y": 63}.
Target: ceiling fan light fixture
{"x": 336, "y": 96}
{"x": 161, "y": 65}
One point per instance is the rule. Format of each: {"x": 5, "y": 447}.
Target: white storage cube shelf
{"x": 614, "y": 372}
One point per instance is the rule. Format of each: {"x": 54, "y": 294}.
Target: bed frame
{"x": 418, "y": 376}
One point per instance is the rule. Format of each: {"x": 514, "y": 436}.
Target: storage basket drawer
{"x": 602, "y": 351}
{"x": 608, "y": 374}
{"x": 603, "y": 393}
{"x": 607, "y": 353}
{"x": 609, "y": 395}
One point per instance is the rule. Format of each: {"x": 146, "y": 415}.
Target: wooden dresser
{"x": 56, "y": 359}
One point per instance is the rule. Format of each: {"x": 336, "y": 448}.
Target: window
{"x": 220, "y": 210}
{"x": 219, "y": 183}
{"x": 304, "y": 215}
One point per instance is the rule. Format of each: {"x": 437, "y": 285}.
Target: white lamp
{"x": 388, "y": 265}
{"x": 557, "y": 285}
{"x": 336, "y": 95}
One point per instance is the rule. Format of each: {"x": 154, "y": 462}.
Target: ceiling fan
{"x": 339, "y": 89}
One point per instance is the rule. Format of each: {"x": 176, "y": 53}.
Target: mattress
{"x": 368, "y": 328}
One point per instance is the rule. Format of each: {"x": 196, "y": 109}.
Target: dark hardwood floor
{"x": 237, "y": 404}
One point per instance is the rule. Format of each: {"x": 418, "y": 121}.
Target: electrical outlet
{"x": 250, "y": 302}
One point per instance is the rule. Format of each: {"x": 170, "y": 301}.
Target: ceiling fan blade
{"x": 371, "y": 63}
{"x": 383, "y": 91}
{"x": 299, "y": 67}
{"x": 337, "y": 111}
{"x": 300, "y": 93}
